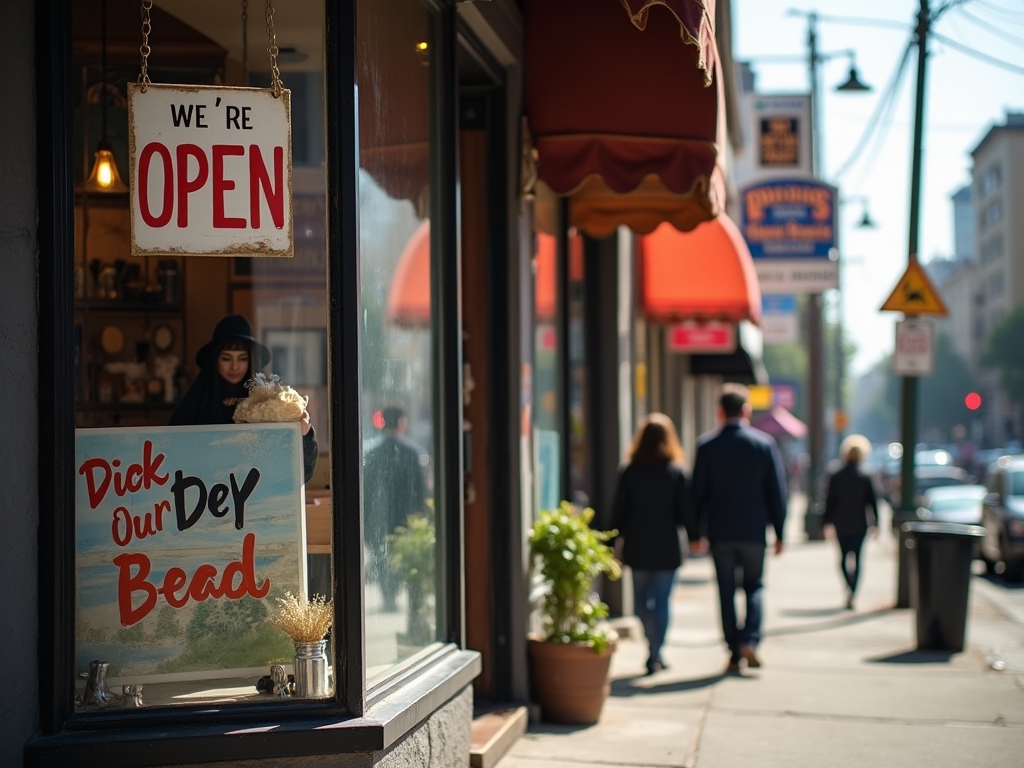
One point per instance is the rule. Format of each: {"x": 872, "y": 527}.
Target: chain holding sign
{"x": 210, "y": 167}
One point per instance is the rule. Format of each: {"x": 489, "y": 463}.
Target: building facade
{"x": 412, "y": 314}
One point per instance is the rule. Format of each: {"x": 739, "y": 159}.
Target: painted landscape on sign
{"x": 184, "y": 538}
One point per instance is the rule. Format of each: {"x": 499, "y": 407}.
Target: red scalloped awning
{"x": 706, "y": 274}
{"x": 624, "y": 116}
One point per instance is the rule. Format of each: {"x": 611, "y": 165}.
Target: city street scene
{"x": 513, "y": 384}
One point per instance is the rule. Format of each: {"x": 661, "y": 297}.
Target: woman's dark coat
{"x": 651, "y": 505}
{"x": 850, "y": 494}
{"x": 211, "y": 400}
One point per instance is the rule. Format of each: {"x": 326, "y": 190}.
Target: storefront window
{"x": 395, "y": 46}
{"x": 190, "y": 528}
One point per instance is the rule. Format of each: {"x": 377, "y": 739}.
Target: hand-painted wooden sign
{"x": 184, "y": 538}
{"x": 210, "y": 171}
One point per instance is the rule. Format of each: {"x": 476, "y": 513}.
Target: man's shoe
{"x": 747, "y": 652}
{"x": 733, "y": 668}
{"x": 849, "y": 603}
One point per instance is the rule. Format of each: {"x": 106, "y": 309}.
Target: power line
{"x": 863, "y": 21}
{"x": 1007, "y": 15}
{"x": 883, "y": 111}
{"x": 991, "y": 28}
{"x": 979, "y": 55}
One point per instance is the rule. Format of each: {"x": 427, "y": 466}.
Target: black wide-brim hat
{"x": 233, "y": 328}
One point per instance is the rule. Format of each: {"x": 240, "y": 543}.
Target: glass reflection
{"x": 394, "y": 47}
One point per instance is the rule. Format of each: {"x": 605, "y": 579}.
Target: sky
{"x": 964, "y": 97}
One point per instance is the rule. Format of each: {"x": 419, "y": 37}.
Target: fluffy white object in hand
{"x": 269, "y": 400}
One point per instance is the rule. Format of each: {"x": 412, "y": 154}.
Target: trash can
{"x": 940, "y": 577}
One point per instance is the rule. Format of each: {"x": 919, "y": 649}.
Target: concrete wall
{"x": 442, "y": 741}
{"x": 19, "y": 504}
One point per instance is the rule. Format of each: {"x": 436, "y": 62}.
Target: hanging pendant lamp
{"x": 104, "y": 177}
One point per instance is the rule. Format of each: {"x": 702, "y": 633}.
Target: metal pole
{"x": 908, "y": 404}
{"x": 816, "y": 436}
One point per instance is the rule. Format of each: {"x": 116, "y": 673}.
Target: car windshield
{"x": 1015, "y": 484}
{"x": 941, "y": 506}
{"x": 923, "y": 484}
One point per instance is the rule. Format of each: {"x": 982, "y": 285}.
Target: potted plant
{"x": 412, "y": 558}
{"x": 570, "y": 660}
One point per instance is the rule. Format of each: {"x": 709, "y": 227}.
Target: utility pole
{"x": 815, "y": 363}
{"x": 908, "y": 399}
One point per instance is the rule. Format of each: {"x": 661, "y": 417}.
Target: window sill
{"x": 384, "y": 723}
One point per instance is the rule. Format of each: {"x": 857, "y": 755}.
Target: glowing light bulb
{"x": 104, "y": 176}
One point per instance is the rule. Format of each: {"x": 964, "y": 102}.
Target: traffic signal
{"x": 973, "y": 401}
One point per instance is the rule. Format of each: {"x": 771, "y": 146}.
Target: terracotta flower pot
{"x": 570, "y": 680}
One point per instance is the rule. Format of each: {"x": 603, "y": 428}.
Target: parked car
{"x": 953, "y": 504}
{"x": 928, "y": 476}
{"x": 1003, "y": 517}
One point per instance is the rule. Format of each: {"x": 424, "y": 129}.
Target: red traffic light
{"x": 973, "y": 401}
{"x": 378, "y": 419}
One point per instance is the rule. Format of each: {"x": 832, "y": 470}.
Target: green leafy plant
{"x": 571, "y": 555}
{"x": 413, "y": 557}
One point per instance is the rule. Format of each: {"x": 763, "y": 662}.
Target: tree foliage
{"x": 940, "y": 398}
{"x": 1005, "y": 353}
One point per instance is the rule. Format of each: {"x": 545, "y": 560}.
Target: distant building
{"x": 997, "y": 194}
{"x": 963, "y": 225}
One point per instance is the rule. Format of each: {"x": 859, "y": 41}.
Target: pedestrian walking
{"x": 394, "y": 488}
{"x": 651, "y": 505}
{"x": 739, "y": 489}
{"x": 850, "y": 496}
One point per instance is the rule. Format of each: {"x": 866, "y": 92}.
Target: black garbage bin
{"x": 940, "y": 577}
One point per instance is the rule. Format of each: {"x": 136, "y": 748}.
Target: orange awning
{"x": 624, "y": 116}
{"x": 409, "y": 296}
{"x": 706, "y": 274}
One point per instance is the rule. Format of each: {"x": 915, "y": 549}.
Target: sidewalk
{"x": 838, "y": 688}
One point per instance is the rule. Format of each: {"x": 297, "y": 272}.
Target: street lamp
{"x": 816, "y": 436}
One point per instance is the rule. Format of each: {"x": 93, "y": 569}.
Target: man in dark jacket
{"x": 394, "y": 488}
{"x": 739, "y": 488}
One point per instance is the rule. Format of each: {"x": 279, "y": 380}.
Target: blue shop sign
{"x": 789, "y": 219}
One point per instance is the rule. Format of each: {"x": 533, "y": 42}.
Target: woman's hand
{"x": 306, "y": 425}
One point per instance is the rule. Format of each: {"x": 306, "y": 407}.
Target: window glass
{"x": 394, "y": 49}
{"x": 191, "y": 527}
{"x": 1016, "y": 484}
{"x": 546, "y": 406}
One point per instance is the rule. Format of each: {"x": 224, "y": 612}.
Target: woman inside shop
{"x": 225, "y": 363}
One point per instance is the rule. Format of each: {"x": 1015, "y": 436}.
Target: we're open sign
{"x": 210, "y": 171}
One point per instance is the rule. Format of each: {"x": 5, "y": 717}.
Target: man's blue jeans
{"x": 739, "y": 562}
{"x": 651, "y": 593}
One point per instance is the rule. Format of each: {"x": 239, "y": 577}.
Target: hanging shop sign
{"x": 210, "y": 171}
{"x": 790, "y": 228}
{"x": 781, "y": 129}
{"x": 184, "y": 538}
{"x": 210, "y": 167}
{"x": 703, "y": 338}
{"x": 914, "y": 352}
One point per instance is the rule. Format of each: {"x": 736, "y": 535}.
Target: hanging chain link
{"x": 245, "y": 42}
{"x": 275, "y": 73}
{"x": 147, "y": 6}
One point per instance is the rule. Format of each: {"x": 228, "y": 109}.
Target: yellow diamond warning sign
{"x": 915, "y": 295}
